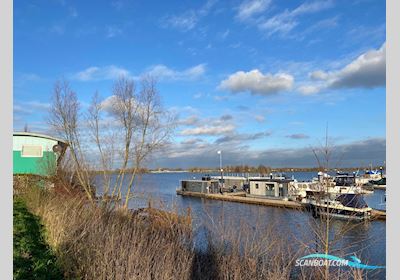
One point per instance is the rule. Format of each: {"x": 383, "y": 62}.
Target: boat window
{"x": 256, "y": 186}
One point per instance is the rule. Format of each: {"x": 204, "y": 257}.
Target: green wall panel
{"x": 34, "y": 165}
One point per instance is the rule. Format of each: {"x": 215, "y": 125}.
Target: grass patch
{"x": 33, "y": 258}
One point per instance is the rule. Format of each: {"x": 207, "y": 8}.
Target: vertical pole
{"x": 220, "y": 167}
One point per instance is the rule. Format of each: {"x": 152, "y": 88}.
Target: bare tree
{"x": 328, "y": 235}
{"x": 146, "y": 127}
{"x": 103, "y": 135}
{"x": 126, "y": 129}
{"x": 64, "y": 119}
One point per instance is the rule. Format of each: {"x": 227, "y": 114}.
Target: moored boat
{"x": 345, "y": 206}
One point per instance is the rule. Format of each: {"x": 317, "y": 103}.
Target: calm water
{"x": 161, "y": 190}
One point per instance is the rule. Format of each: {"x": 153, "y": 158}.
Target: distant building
{"x": 37, "y": 154}
{"x": 269, "y": 187}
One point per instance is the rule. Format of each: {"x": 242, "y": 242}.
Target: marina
{"x": 338, "y": 196}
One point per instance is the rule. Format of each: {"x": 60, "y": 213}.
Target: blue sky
{"x": 257, "y": 79}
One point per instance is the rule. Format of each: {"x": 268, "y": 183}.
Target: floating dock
{"x": 241, "y": 198}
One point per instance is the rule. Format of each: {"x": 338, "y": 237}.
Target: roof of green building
{"x": 31, "y": 134}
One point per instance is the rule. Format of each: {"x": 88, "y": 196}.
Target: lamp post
{"x": 220, "y": 168}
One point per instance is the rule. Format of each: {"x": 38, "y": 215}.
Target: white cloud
{"x": 30, "y": 107}
{"x": 277, "y": 24}
{"x": 311, "y": 7}
{"x": 183, "y": 110}
{"x": 94, "y": 73}
{"x": 216, "y": 129}
{"x": 257, "y": 83}
{"x": 259, "y": 118}
{"x": 309, "y": 89}
{"x": 184, "y": 22}
{"x": 198, "y": 95}
{"x": 221, "y": 97}
{"x": 286, "y": 21}
{"x": 163, "y": 72}
{"x": 113, "y": 31}
{"x": 318, "y": 75}
{"x": 366, "y": 71}
{"x": 109, "y": 104}
{"x": 160, "y": 71}
{"x": 192, "y": 120}
{"x": 188, "y": 19}
{"x": 249, "y": 8}
{"x": 223, "y": 35}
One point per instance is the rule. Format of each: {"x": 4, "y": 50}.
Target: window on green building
{"x": 31, "y": 151}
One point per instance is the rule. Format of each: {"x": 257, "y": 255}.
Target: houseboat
{"x": 269, "y": 187}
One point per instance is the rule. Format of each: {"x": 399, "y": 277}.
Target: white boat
{"x": 345, "y": 206}
{"x": 325, "y": 184}
{"x": 369, "y": 175}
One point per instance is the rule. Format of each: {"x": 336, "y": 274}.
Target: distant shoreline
{"x": 247, "y": 170}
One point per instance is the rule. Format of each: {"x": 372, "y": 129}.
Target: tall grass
{"x": 100, "y": 243}
{"x": 103, "y": 242}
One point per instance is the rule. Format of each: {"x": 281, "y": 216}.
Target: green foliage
{"x": 33, "y": 258}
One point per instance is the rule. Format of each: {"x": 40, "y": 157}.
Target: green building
{"x": 35, "y": 153}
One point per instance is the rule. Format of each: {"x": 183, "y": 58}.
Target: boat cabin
{"x": 345, "y": 180}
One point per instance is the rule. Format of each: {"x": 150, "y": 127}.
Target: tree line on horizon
{"x": 262, "y": 169}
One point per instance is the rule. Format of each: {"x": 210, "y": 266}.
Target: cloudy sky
{"x": 259, "y": 80}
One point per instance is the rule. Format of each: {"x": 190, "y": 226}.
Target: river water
{"x": 367, "y": 240}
